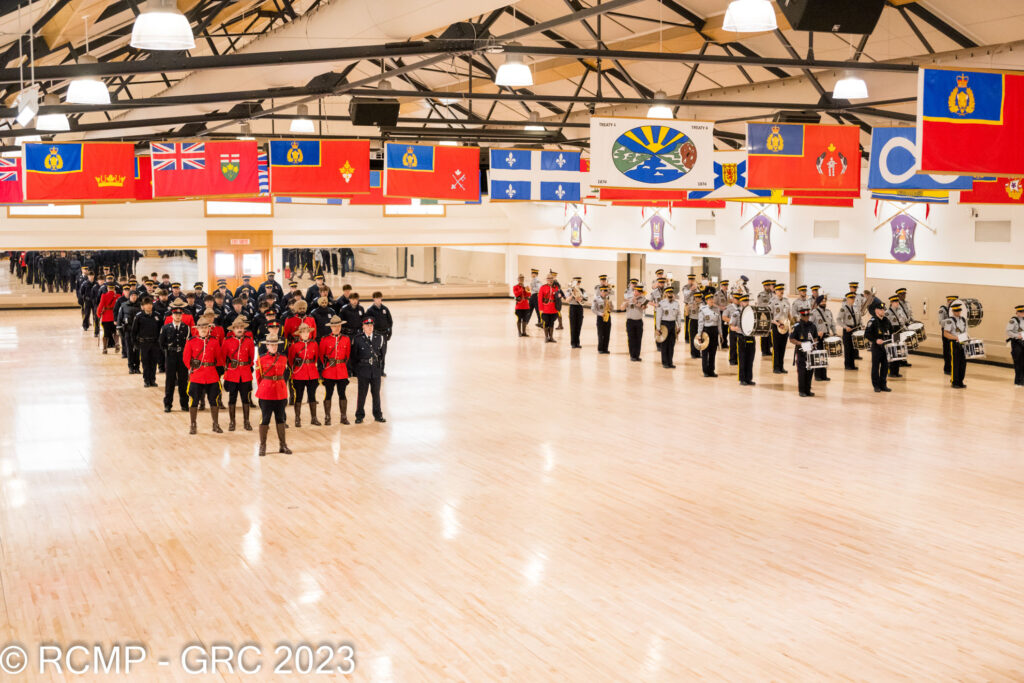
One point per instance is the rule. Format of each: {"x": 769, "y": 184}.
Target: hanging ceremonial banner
{"x": 762, "y": 235}
{"x": 226, "y": 168}
{"x": 576, "y": 230}
{"x": 651, "y": 153}
{"x": 916, "y": 196}
{"x": 903, "y": 229}
{"x": 894, "y": 160}
{"x": 970, "y": 122}
{"x": 523, "y": 175}
{"x": 143, "y": 178}
{"x": 792, "y": 156}
{"x": 10, "y": 181}
{"x": 320, "y": 167}
{"x": 731, "y": 179}
{"x": 997, "y": 191}
{"x": 657, "y": 232}
{"x": 79, "y": 171}
{"x": 430, "y": 172}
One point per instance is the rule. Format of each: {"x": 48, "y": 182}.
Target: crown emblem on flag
{"x": 961, "y": 99}
{"x": 347, "y": 171}
{"x": 294, "y": 155}
{"x": 961, "y": 81}
{"x": 775, "y": 141}
{"x": 1015, "y": 189}
{"x": 409, "y": 158}
{"x": 53, "y": 160}
{"x": 110, "y": 180}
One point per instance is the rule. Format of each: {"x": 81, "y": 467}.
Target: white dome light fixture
{"x": 303, "y": 124}
{"x": 750, "y": 16}
{"x": 162, "y": 26}
{"x": 27, "y": 105}
{"x": 88, "y": 89}
{"x": 850, "y": 87}
{"x": 54, "y": 122}
{"x": 513, "y": 73}
{"x": 534, "y": 124}
{"x": 659, "y": 111}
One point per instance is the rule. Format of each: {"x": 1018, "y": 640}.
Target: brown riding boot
{"x": 327, "y": 412}
{"x": 264, "y": 430}
{"x": 312, "y": 414}
{"x": 214, "y": 410}
{"x": 231, "y": 417}
{"x": 280, "y": 437}
{"x": 193, "y": 412}
{"x": 245, "y": 417}
{"x": 298, "y": 414}
{"x": 343, "y": 404}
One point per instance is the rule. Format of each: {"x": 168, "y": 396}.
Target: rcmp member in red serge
{"x": 186, "y": 316}
{"x": 202, "y": 356}
{"x": 522, "y": 295}
{"x": 335, "y": 349}
{"x": 298, "y": 318}
{"x": 548, "y": 309}
{"x": 239, "y": 353}
{"x": 105, "y": 314}
{"x": 272, "y": 390}
{"x": 302, "y": 358}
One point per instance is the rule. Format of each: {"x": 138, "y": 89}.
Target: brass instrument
{"x": 576, "y": 293}
{"x": 869, "y": 297}
{"x": 607, "y": 313}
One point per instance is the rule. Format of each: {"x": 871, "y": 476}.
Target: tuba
{"x": 869, "y": 298}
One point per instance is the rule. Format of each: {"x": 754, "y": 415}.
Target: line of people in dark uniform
{"x": 318, "y": 261}
{"x": 199, "y": 339}
{"x": 58, "y": 271}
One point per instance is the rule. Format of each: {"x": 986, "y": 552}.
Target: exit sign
{"x": 239, "y": 243}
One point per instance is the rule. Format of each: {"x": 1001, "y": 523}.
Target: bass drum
{"x": 756, "y": 321}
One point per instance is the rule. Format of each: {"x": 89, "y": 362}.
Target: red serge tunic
{"x": 302, "y": 357}
{"x": 291, "y": 327}
{"x": 201, "y": 357}
{"x": 334, "y": 352}
{"x": 186, "y": 319}
{"x": 238, "y": 358}
{"x": 522, "y": 298}
{"x": 546, "y": 299}
{"x": 105, "y": 308}
{"x": 270, "y": 368}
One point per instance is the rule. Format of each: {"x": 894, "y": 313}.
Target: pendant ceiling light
{"x": 750, "y": 16}
{"x": 850, "y": 88}
{"x": 55, "y": 122}
{"x": 534, "y": 124}
{"x": 303, "y": 124}
{"x": 162, "y": 26}
{"x": 87, "y": 90}
{"x": 513, "y": 73}
{"x": 27, "y": 105}
{"x": 659, "y": 111}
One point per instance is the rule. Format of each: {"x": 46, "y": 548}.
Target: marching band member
{"x": 693, "y": 319}
{"x": 239, "y": 355}
{"x": 802, "y": 337}
{"x": 604, "y": 301}
{"x": 201, "y": 356}
{"x": 849, "y": 319}
{"x": 899, "y": 323}
{"x": 858, "y": 306}
{"x": 780, "y": 317}
{"x": 272, "y": 391}
{"x": 954, "y": 328}
{"x": 709, "y": 322}
{"x": 335, "y": 349}
{"x": 303, "y": 354}
{"x": 903, "y": 310}
{"x": 727, "y": 314}
{"x": 522, "y": 309}
{"x": 825, "y": 326}
{"x": 744, "y": 345}
{"x": 800, "y": 301}
{"x": 635, "y": 306}
{"x": 653, "y": 297}
{"x": 559, "y": 298}
{"x": 815, "y": 293}
{"x": 722, "y": 301}
{"x": 546, "y": 305}
{"x": 942, "y": 314}
{"x": 535, "y": 290}
{"x": 764, "y": 298}
{"x": 575, "y": 299}
{"x": 669, "y": 314}
{"x": 688, "y": 307}
{"x": 878, "y": 332}
{"x": 1015, "y": 335}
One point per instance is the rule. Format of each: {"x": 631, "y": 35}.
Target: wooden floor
{"x": 528, "y": 513}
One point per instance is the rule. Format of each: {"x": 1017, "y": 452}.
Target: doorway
{"x": 234, "y": 253}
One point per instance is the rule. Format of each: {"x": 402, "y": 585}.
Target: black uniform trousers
{"x": 745, "y": 350}
{"x": 604, "y": 333}
{"x": 372, "y": 384}
{"x": 766, "y": 344}
{"x": 708, "y": 355}
{"x": 778, "y": 349}
{"x": 575, "y": 325}
{"x": 86, "y": 314}
{"x": 946, "y": 356}
{"x": 803, "y": 375}
{"x": 634, "y": 335}
{"x": 668, "y": 347}
{"x": 724, "y": 336}
{"x": 734, "y": 340}
{"x": 1017, "y": 352}
{"x": 879, "y": 366}
{"x": 176, "y": 377}
{"x": 133, "y": 352}
{"x": 534, "y": 310}
{"x": 958, "y": 362}
{"x": 149, "y": 354}
{"x": 849, "y": 353}
{"x": 820, "y": 373}
{"x": 691, "y": 328}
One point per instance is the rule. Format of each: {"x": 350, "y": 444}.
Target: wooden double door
{"x": 234, "y": 253}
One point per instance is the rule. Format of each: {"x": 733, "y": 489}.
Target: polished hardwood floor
{"x": 528, "y": 513}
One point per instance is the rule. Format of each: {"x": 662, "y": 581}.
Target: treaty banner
{"x": 205, "y": 169}
{"x": 970, "y": 122}
{"x": 523, "y": 175}
{"x": 792, "y": 156}
{"x": 894, "y": 163}
{"x": 731, "y": 179}
{"x": 432, "y": 172}
{"x": 319, "y": 167}
{"x": 79, "y": 171}
{"x": 652, "y": 154}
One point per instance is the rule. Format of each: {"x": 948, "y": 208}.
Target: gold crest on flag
{"x": 775, "y": 142}
{"x": 730, "y": 174}
{"x": 961, "y": 99}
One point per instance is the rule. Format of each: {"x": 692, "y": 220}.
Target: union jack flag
{"x": 263, "y": 173}
{"x": 172, "y": 156}
{"x": 9, "y": 170}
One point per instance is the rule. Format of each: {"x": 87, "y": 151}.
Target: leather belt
{"x": 273, "y": 378}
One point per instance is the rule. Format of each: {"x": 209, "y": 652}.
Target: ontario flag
{"x": 970, "y": 122}
{"x": 319, "y": 167}
{"x": 79, "y": 171}
{"x": 998, "y": 191}
{"x": 205, "y": 169}
{"x": 792, "y": 156}
{"x": 10, "y": 181}
{"x": 430, "y": 172}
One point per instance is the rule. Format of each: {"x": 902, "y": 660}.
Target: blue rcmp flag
{"x": 282, "y": 153}
{"x": 730, "y": 179}
{"x": 523, "y": 175}
{"x": 893, "y": 163}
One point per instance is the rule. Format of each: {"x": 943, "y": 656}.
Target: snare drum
{"x": 859, "y": 341}
{"x": 918, "y": 330}
{"x": 974, "y": 348}
{"x": 834, "y": 347}
{"x": 817, "y": 359}
{"x": 895, "y": 351}
{"x": 974, "y": 312}
{"x": 909, "y": 338}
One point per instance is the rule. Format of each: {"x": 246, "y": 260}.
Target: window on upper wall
{"x": 44, "y": 211}
{"x": 220, "y": 208}
{"x": 991, "y": 231}
{"x": 826, "y": 230}
{"x": 705, "y": 227}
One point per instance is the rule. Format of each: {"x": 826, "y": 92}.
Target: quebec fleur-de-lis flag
{"x": 970, "y": 122}
{"x": 79, "y": 171}
{"x": 523, "y": 175}
{"x": 323, "y": 168}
